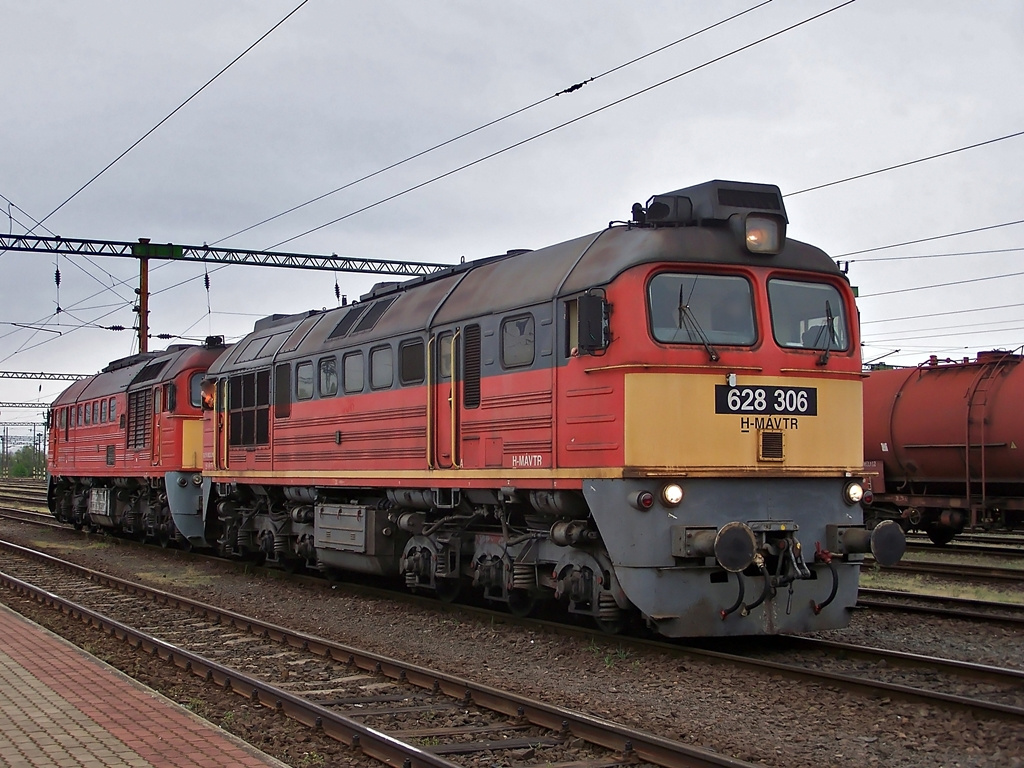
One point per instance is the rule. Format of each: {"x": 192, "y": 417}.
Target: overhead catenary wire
{"x": 987, "y": 324}
{"x": 940, "y": 285}
{"x": 172, "y": 113}
{"x": 895, "y": 245}
{"x": 900, "y": 339}
{"x": 934, "y": 255}
{"x": 904, "y": 165}
{"x": 574, "y": 120}
{"x": 41, "y": 222}
{"x": 571, "y": 89}
{"x": 929, "y": 239}
{"x": 941, "y": 314}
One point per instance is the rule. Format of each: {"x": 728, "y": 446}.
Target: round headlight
{"x": 853, "y": 493}
{"x": 671, "y": 494}
{"x": 197, "y": 479}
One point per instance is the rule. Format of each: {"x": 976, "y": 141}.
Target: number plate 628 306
{"x": 789, "y": 401}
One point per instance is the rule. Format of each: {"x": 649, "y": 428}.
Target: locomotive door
{"x": 220, "y": 431}
{"x": 157, "y": 410}
{"x": 443, "y": 405}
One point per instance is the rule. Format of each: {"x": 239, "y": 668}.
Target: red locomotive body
{"x": 125, "y": 445}
{"x": 947, "y": 437}
{"x": 638, "y": 422}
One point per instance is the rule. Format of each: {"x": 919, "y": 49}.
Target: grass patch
{"x": 84, "y": 545}
{"x": 186, "y": 577}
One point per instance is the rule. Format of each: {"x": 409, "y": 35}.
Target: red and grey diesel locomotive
{"x": 660, "y": 421}
{"x": 125, "y": 445}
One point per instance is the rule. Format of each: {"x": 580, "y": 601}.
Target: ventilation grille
{"x": 471, "y": 375}
{"x": 139, "y": 420}
{"x": 150, "y": 372}
{"x": 770, "y": 446}
{"x": 347, "y": 322}
{"x": 376, "y": 311}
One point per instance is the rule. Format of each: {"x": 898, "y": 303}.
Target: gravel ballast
{"x": 765, "y": 719}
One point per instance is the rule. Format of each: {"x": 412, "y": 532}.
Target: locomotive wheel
{"x": 521, "y": 603}
{"x": 332, "y": 574}
{"x": 610, "y": 626}
{"x": 448, "y": 590}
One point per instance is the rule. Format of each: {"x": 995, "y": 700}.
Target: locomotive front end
{"x": 738, "y": 510}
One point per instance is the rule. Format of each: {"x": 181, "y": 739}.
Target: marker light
{"x": 853, "y": 493}
{"x": 642, "y": 500}
{"x": 762, "y": 234}
{"x": 671, "y": 495}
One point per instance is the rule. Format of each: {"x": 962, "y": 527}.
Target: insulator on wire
{"x": 206, "y": 280}
{"x": 116, "y": 328}
{"x": 56, "y": 277}
{"x": 337, "y": 291}
{"x": 163, "y": 336}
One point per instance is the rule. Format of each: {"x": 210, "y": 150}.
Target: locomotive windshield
{"x": 702, "y": 309}
{"x": 808, "y": 315}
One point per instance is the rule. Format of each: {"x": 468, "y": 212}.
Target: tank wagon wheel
{"x": 521, "y": 603}
{"x": 940, "y": 535}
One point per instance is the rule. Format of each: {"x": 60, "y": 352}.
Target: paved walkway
{"x": 62, "y": 708}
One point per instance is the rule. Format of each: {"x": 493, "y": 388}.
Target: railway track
{"x": 30, "y": 516}
{"x": 870, "y": 672}
{"x": 1007, "y": 551}
{"x": 876, "y": 599}
{"x": 967, "y": 685}
{"x": 957, "y": 571}
{"x": 938, "y": 605}
{"x": 23, "y": 492}
{"x": 386, "y": 707}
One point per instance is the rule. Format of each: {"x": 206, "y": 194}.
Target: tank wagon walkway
{"x": 61, "y": 707}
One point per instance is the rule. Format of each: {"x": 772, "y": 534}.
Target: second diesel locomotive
{"x": 659, "y": 422}
{"x": 125, "y": 446}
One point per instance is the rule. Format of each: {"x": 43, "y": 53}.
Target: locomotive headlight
{"x": 853, "y": 493}
{"x": 671, "y": 495}
{"x": 763, "y": 234}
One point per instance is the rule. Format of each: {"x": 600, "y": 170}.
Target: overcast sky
{"x": 343, "y": 89}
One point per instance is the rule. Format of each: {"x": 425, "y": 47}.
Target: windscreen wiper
{"x": 689, "y": 320}
{"x": 829, "y": 335}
